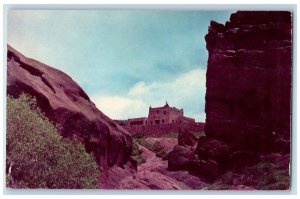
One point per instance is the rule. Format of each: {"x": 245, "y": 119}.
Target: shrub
{"x": 159, "y": 150}
{"x": 38, "y": 157}
{"x": 199, "y": 134}
{"x": 136, "y": 153}
{"x": 156, "y": 147}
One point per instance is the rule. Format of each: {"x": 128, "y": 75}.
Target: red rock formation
{"x": 249, "y": 80}
{"x": 186, "y": 138}
{"x": 69, "y": 108}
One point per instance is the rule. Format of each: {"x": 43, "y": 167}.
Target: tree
{"x": 38, "y": 157}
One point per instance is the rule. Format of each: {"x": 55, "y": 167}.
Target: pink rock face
{"x": 148, "y": 176}
{"x": 151, "y": 180}
{"x": 240, "y": 187}
{"x": 153, "y": 174}
{"x": 151, "y": 161}
{"x": 69, "y": 108}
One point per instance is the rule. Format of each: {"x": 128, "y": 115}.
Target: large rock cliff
{"x": 248, "y": 96}
{"x": 70, "y": 109}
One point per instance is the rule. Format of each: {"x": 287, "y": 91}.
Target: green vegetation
{"x": 167, "y": 135}
{"x": 136, "y": 153}
{"x": 199, "y": 134}
{"x": 268, "y": 176}
{"x": 38, "y": 157}
{"x": 156, "y": 148}
{"x": 262, "y": 176}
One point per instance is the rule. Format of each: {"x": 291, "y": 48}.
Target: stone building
{"x": 162, "y": 115}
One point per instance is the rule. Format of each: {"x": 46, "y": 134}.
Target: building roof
{"x": 165, "y": 106}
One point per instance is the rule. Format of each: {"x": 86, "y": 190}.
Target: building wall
{"x": 165, "y": 128}
{"x": 160, "y": 115}
{"x": 138, "y": 121}
{"x": 164, "y": 115}
{"x": 163, "y": 120}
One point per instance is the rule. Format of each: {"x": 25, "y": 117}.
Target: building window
{"x": 151, "y": 122}
{"x": 156, "y": 121}
{"x": 172, "y": 121}
{"x": 163, "y": 121}
{"x": 165, "y": 112}
{"x": 157, "y": 111}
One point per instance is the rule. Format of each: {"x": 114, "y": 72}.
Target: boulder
{"x": 239, "y": 159}
{"x": 180, "y": 158}
{"x": 213, "y": 149}
{"x": 69, "y": 108}
{"x": 207, "y": 170}
{"x": 166, "y": 143}
{"x": 186, "y": 138}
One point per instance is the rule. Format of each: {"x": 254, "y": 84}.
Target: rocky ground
{"x": 154, "y": 174}
{"x": 173, "y": 172}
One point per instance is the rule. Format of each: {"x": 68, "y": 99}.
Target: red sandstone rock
{"x": 240, "y": 187}
{"x": 216, "y": 150}
{"x": 248, "y": 91}
{"x": 208, "y": 170}
{"x": 186, "y": 138}
{"x": 182, "y": 176}
{"x": 153, "y": 174}
{"x": 69, "y": 108}
{"x": 249, "y": 80}
{"x": 166, "y": 143}
{"x": 151, "y": 161}
{"x": 151, "y": 180}
{"x": 117, "y": 174}
{"x": 180, "y": 158}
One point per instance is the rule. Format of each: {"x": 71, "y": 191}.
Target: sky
{"x": 124, "y": 60}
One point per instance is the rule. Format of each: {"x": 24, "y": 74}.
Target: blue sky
{"x": 124, "y": 60}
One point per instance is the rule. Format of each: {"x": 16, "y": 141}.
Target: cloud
{"x": 125, "y": 60}
{"x": 186, "y": 91}
{"x": 120, "y": 107}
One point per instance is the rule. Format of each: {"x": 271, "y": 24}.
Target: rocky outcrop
{"x": 69, "y": 108}
{"x": 248, "y": 81}
{"x": 153, "y": 174}
{"x": 247, "y": 98}
{"x": 148, "y": 180}
{"x": 186, "y": 138}
{"x": 212, "y": 149}
{"x": 166, "y": 143}
{"x": 180, "y": 158}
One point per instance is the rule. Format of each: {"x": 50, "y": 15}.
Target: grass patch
{"x": 199, "y": 134}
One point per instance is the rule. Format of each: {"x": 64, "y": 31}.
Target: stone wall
{"x": 164, "y": 128}
{"x": 248, "y": 78}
